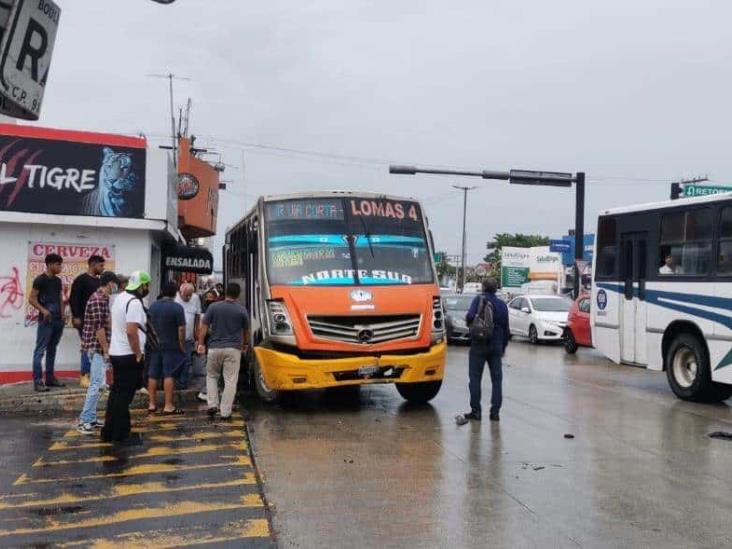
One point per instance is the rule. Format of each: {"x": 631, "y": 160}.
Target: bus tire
{"x": 533, "y": 335}
{"x": 688, "y": 372}
{"x": 419, "y": 392}
{"x": 260, "y": 385}
{"x": 570, "y": 343}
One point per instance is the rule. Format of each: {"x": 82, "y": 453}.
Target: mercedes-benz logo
{"x": 365, "y": 335}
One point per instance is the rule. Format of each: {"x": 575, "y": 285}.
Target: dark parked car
{"x": 456, "y": 306}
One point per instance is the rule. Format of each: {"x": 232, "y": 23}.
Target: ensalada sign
{"x": 28, "y": 33}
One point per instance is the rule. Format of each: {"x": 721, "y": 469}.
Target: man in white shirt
{"x": 191, "y": 303}
{"x": 126, "y": 353}
{"x": 669, "y": 266}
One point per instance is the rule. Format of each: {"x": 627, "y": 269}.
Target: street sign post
{"x": 28, "y": 36}
{"x": 560, "y": 246}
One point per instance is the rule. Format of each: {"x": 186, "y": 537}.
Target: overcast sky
{"x": 630, "y": 92}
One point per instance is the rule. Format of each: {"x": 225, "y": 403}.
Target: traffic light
{"x": 676, "y": 191}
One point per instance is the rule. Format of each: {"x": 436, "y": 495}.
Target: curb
{"x": 72, "y": 400}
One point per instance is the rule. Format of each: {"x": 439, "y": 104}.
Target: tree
{"x": 517, "y": 240}
{"x": 443, "y": 267}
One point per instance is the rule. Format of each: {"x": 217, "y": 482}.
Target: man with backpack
{"x": 488, "y": 321}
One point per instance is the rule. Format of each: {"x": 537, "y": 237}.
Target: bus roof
{"x": 668, "y": 204}
{"x": 323, "y": 194}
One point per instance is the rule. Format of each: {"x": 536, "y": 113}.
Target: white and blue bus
{"x": 662, "y": 292}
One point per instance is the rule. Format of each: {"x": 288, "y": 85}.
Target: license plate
{"x": 368, "y": 371}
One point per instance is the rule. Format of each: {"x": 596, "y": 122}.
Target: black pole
{"x": 579, "y": 229}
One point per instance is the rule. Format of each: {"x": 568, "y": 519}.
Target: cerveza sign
{"x": 53, "y": 176}
{"x": 189, "y": 260}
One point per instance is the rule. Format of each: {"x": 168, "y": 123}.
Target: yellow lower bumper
{"x": 286, "y": 372}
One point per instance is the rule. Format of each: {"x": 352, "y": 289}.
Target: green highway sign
{"x": 705, "y": 190}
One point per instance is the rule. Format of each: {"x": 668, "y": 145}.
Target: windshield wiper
{"x": 367, "y": 233}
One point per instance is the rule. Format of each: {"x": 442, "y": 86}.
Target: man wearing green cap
{"x": 126, "y": 353}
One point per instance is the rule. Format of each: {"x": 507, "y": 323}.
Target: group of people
{"x": 143, "y": 346}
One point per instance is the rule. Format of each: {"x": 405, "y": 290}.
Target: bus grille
{"x": 365, "y": 329}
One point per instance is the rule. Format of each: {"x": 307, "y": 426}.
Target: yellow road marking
{"x": 155, "y": 451}
{"x": 184, "y": 417}
{"x": 159, "y": 427}
{"x": 61, "y": 446}
{"x": 253, "y": 528}
{"x": 147, "y": 469}
{"x": 123, "y": 490}
{"x": 173, "y": 510}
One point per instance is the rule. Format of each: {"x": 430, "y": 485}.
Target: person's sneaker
{"x": 40, "y": 387}
{"x": 85, "y": 429}
{"x": 55, "y": 383}
{"x": 84, "y": 381}
{"x": 226, "y": 418}
{"x": 143, "y": 390}
{"x": 104, "y": 387}
{"x": 212, "y": 411}
{"x": 494, "y": 416}
{"x": 97, "y": 424}
{"x": 203, "y": 397}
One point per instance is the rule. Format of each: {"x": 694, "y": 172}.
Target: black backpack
{"x": 152, "y": 342}
{"x": 481, "y": 330}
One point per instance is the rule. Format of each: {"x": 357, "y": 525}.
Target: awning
{"x": 188, "y": 259}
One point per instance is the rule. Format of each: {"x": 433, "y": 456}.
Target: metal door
{"x": 633, "y": 302}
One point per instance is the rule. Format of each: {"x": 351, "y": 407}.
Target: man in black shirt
{"x": 81, "y": 290}
{"x": 47, "y": 298}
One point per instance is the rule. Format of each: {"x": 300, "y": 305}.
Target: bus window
{"x": 724, "y": 257}
{"x": 686, "y": 243}
{"x": 606, "y": 248}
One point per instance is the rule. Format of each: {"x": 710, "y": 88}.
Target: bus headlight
{"x": 279, "y": 319}
{"x": 438, "y": 321}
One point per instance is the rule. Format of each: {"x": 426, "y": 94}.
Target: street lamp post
{"x": 528, "y": 177}
{"x": 461, "y": 281}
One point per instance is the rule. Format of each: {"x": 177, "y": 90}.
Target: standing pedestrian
{"x": 47, "y": 298}
{"x": 82, "y": 289}
{"x": 169, "y": 322}
{"x": 493, "y": 313}
{"x": 95, "y": 342}
{"x": 127, "y": 342}
{"x": 191, "y": 303}
{"x": 228, "y": 324}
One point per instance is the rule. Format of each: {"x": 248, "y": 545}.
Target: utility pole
{"x": 465, "y": 208}
{"x": 174, "y": 138}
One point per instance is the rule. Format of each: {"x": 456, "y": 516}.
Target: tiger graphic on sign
{"x": 117, "y": 182}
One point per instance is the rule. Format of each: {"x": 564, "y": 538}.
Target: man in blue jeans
{"x": 487, "y": 351}
{"x": 95, "y": 342}
{"x": 47, "y": 298}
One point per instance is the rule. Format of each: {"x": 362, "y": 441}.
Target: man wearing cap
{"x": 128, "y": 336}
{"x": 95, "y": 343}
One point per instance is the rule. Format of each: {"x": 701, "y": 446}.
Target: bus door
{"x": 633, "y": 302}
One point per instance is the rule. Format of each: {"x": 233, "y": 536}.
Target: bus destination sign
{"x": 306, "y": 209}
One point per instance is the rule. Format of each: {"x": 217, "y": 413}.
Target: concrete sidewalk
{"x": 20, "y": 398}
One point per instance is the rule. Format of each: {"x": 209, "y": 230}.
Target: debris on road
{"x": 568, "y": 435}
{"x": 724, "y": 435}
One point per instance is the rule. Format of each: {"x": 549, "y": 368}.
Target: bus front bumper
{"x": 287, "y": 372}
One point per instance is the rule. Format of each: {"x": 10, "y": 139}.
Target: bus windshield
{"x": 346, "y": 241}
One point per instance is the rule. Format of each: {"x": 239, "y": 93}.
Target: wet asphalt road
{"x": 367, "y": 470}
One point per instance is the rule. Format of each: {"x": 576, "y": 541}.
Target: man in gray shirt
{"x": 227, "y": 323}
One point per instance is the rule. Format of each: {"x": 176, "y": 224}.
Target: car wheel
{"x": 688, "y": 372}
{"x": 570, "y": 343}
{"x": 419, "y": 392}
{"x": 265, "y": 393}
{"x": 533, "y": 335}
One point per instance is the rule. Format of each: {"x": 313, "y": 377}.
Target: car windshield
{"x": 550, "y": 304}
{"x": 458, "y": 302}
{"x": 346, "y": 241}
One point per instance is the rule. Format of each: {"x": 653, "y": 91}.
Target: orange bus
{"x": 342, "y": 290}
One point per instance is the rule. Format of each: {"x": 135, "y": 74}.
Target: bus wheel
{"x": 419, "y": 392}
{"x": 687, "y": 370}
{"x": 533, "y": 335}
{"x": 570, "y": 343}
{"x": 265, "y": 393}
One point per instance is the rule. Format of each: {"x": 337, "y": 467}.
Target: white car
{"x": 539, "y": 317}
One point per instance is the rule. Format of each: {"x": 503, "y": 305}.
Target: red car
{"x": 578, "y": 333}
